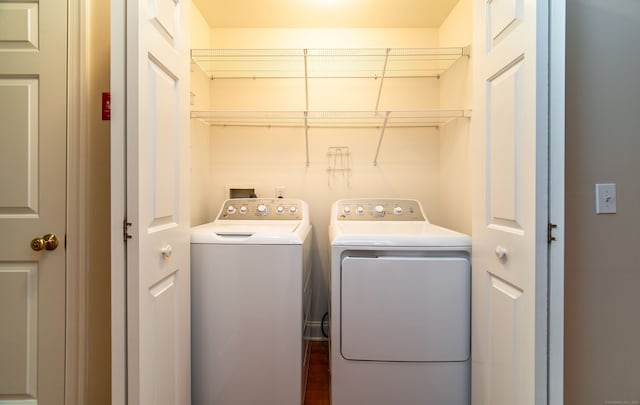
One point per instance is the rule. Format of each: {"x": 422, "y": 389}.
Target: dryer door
{"x": 413, "y": 309}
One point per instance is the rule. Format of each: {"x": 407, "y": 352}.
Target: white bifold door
{"x": 517, "y": 83}
{"x": 150, "y": 237}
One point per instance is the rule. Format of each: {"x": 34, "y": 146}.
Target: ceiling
{"x": 325, "y": 13}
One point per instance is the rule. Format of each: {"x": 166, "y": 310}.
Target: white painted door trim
{"x": 77, "y": 128}
{"x": 118, "y": 208}
{"x": 557, "y": 50}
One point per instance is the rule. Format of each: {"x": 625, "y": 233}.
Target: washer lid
{"x": 410, "y": 233}
{"x": 250, "y": 232}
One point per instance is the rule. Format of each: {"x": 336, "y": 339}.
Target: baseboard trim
{"x": 314, "y": 331}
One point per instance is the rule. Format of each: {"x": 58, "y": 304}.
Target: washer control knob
{"x": 379, "y": 210}
{"x": 346, "y": 210}
{"x": 280, "y": 209}
{"x": 293, "y": 209}
{"x": 360, "y": 210}
{"x": 261, "y": 209}
{"x": 244, "y": 209}
{"x": 231, "y": 210}
{"x": 397, "y": 210}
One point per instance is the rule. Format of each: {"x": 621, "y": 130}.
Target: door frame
{"x": 76, "y": 207}
{"x": 555, "y": 333}
{"x": 118, "y": 209}
{"x": 76, "y": 211}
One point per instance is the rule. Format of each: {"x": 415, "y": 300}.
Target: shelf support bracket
{"x": 384, "y": 72}
{"x": 306, "y": 111}
{"x": 384, "y": 127}
{"x": 306, "y": 135}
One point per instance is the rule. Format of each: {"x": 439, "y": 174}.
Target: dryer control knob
{"x": 360, "y": 210}
{"x": 231, "y": 210}
{"x": 379, "y": 209}
{"x": 397, "y": 210}
{"x": 244, "y": 209}
{"x": 261, "y": 209}
{"x": 346, "y": 210}
{"x": 280, "y": 209}
{"x": 293, "y": 209}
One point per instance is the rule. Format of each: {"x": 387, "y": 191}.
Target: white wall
{"x": 324, "y": 38}
{"x": 98, "y": 275}
{"x": 200, "y": 140}
{"x": 454, "y": 189}
{"x": 602, "y": 271}
{"x": 410, "y": 160}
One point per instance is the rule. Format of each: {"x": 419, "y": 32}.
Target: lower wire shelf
{"x": 331, "y": 119}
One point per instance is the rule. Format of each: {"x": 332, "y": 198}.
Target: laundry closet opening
{"x": 364, "y": 108}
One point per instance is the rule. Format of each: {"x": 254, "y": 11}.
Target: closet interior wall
{"x": 429, "y": 164}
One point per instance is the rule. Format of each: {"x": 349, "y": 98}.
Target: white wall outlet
{"x": 280, "y": 191}
{"x": 606, "y": 198}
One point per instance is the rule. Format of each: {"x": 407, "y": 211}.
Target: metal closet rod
{"x": 419, "y": 116}
{"x": 370, "y": 76}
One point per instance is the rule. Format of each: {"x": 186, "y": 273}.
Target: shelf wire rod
{"x": 306, "y": 135}
{"x": 306, "y": 84}
{"x": 384, "y": 127}
{"x": 384, "y": 71}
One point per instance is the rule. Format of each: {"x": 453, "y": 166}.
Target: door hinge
{"x": 550, "y": 228}
{"x": 125, "y": 230}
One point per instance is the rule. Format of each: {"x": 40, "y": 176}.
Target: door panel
{"x": 33, "y": 133}
{"x": 163, "y": 13}
{"x": 19, "y": 152}
{"x": 164, "y": 344}
{"x": 19, "y": 26}
{"x": 164, "y": 137}
{"x": 502, "y": 139}
{"x": 19, "y": 343}
{"x": 504, "y": 311}
{"x": 503, "y": 16}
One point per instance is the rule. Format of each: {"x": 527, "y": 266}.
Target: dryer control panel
{"x": 380, "y": 209}
{"x": 261, "y": 209}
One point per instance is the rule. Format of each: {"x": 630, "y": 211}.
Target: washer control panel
{"x": 261, "y": 208}
{"x": 379, "y": 210}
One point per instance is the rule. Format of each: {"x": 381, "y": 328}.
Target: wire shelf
{"x": 320, "y": 119}
{"x": 326, "y": 63}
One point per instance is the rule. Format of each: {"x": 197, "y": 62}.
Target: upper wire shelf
{"x": 323, "y": 119}
{"x": 326, "y": 63}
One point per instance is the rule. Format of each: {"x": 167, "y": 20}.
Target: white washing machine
{"x": 250, "y": 299}
{"x": 400, "y": 306}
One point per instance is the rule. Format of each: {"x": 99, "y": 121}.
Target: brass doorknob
{"x": 47, "y": 242}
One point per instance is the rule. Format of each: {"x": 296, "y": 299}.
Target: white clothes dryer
{"x": 250, "y": 299}
{"x": 400, "y": 306}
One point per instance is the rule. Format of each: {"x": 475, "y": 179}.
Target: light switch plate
{"x": 606, "y": 198}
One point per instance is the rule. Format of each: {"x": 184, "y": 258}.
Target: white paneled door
{"x": 510, "y": 132}
{"x": 153, "y": 59}
{"x": 33, "y": 133}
